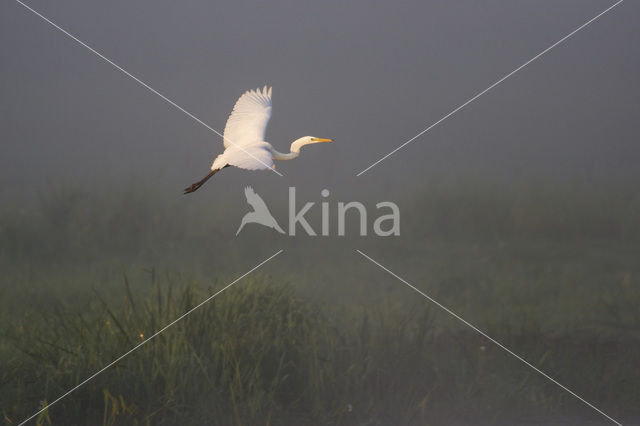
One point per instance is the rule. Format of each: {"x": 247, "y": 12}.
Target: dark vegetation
{"x": 552, "y": 273}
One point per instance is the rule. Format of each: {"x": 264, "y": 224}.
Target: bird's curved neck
{"x": 295, "y": 152}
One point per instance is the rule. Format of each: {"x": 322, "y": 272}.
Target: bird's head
{"x": 306, "y": 140}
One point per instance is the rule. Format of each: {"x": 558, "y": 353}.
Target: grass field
{"x": 320, "y": 335}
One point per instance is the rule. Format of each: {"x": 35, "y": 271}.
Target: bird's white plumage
{"x": 250, "y": 157}
{"x": 248, "y": 121}
{"x": 245, "y": 131}
{"x": 244, "y": 142}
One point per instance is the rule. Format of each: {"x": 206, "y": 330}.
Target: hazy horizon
{"x": 369, "y": 75}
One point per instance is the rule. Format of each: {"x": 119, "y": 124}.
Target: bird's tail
{"x": 194, "y": 186}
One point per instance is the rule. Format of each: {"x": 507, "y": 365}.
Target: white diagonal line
{"x": 121, "y": 357}
{"x": 500, "y": 345}
{"x": 142, "y": 83}
{"x": 492, "y": 86}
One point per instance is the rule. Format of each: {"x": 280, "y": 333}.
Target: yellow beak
{"x": 321, "y": 140}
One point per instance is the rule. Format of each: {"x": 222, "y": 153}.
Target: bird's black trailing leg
{"x": 194, "y": 186}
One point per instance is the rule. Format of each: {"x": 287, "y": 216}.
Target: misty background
{"x": 510, "y": 208}
{"x": 369, "y": 74}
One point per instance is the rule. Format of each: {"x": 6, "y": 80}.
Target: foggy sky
{"x": 369, "y": 74}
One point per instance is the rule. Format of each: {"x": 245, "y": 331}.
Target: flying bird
{"x": 260, "y": 213}
{"x": 243, "y": 138}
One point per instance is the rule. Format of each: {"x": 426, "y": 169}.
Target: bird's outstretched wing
{"x": 248, "y": 121}
{"x": 255, "y": 201}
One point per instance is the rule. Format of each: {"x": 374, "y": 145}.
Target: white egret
{"x": 243, "y": 137}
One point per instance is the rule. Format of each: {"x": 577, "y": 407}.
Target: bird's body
{"x": 244, "y": 136}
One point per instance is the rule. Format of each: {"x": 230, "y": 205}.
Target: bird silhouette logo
{"x": 260, "y": 213}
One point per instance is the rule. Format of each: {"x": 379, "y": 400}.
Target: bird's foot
{"x": 192, "y": 188}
